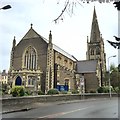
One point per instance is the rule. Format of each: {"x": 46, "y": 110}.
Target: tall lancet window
{"x": 97, "y": 51}
{"x": 92, "y": 51}
{"x": 30, "y": 58}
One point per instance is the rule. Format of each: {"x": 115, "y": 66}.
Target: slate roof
{"x": 58, "y": 49}
{"x": 86, "y": 66}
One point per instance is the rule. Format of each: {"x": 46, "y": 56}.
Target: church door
{"x": 18, "y": 81}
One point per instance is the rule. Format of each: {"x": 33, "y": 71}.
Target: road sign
{"x": 82, "y": 81}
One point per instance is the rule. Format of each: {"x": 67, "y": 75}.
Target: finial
{"x": 14, "y": 42}
{"x": 50, "y": 32}
{"x": 31, "y": 25}
{"x": 87, "y": 39}
{"x": 50, "y": 37}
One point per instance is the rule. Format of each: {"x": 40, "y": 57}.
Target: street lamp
{"x": 109, "y": 75}
{"x": 5, "y": 7}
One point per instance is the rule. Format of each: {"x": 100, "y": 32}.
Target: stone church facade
{"x": 38, "y": 64}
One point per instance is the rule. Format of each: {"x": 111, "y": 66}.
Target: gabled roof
{"x": 86, "y": 66}
{"x": 33, "y": 34}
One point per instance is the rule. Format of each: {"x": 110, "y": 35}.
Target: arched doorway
{"x": 18, "y": 81}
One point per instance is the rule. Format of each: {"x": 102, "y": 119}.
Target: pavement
{"x": 18, "y": 108}
{"x": 9, "y": 109}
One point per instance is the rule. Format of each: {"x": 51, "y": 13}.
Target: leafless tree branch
{"x": 55, "y": 20}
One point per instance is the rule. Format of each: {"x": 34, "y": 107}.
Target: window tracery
{"x": 30, "y": 58}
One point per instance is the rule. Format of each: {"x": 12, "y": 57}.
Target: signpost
{"x": 82, "y": 87}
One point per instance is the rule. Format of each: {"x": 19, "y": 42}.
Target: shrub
{"x": 117, "y": 89}
{"x": 75, "y": 91}
{"x": 104, "y": 89}
{"x": 52, "y": 92}
{"x": 40, "y": 93}
{"x": 18, "y": 91}
{"x": 4, "y": 88}
{"x": 100, "y": 90}
{"x": 27, "y": 93}
{"x": 63, "y": 92}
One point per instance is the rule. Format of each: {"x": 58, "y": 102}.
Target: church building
{"x": 38, "y": 64}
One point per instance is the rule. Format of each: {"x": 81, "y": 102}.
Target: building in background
{"x": 4, "y": 77}
{"x": 95, "y": 48}
{"x": 88, "y": 71}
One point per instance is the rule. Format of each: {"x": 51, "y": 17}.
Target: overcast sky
{"x": 69, "y": 34}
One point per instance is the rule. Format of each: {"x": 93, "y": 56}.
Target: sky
{"x": 70, "y": 34}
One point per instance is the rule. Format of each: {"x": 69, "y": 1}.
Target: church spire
{"x": 14, "y": 43}
{"x": 95, "y": 32}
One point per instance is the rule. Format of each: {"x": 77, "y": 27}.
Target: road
{"x": 89, "y": 108}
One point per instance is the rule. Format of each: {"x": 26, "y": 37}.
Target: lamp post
{"x": 109, "y": 75}
{"x": 5, "y": 7}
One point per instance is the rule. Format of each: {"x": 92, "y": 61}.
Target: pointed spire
{"x": 14, "y": 42}
{"x": 50, "y": 37}
{"x": 94, "y": 15}
{"x": 87, "y": 39}
{"x": 95, "y": 32}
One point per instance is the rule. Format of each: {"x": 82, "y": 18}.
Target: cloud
{"x": 70, "y": 35}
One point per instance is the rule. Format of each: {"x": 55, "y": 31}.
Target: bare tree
{"x": 71, "y": 4}
{"x": 68, "y": 7}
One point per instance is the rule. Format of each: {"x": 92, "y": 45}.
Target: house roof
{"x": 86, "y": 66}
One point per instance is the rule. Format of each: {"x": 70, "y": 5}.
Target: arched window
{"x": 97, "y": 51}
{"x": 92, "y": 51}
{"x": 30, "y": 58}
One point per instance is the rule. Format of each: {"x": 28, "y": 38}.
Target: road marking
{"x": 63, "y": 113}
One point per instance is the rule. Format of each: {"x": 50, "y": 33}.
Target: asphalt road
{"x": 92, "y": 108}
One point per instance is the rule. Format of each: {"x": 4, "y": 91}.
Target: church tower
{"x": 95, "y": 47}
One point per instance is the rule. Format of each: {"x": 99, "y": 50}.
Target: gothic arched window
{"x": 97, "y": 51}
{"x": 30, "y": 58}
{"x": 92, "y": 51}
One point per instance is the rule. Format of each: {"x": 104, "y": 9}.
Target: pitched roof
{"x": 33, "y": 34}
{"x": 86, "y": 66}
{"x": 58, "y": 49}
